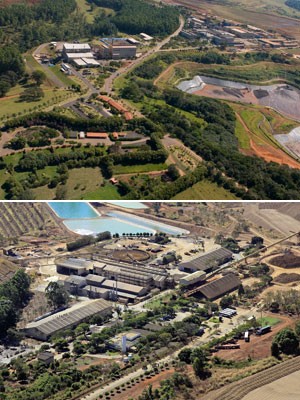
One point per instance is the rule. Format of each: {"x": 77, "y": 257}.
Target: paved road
{"x": 57, "y": 82}
{"x": 108, "y": 84}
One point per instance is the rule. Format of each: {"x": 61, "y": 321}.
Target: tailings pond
{"x": 282, "y": 97}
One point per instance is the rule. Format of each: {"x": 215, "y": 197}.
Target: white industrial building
{"x": 79, "y": 54}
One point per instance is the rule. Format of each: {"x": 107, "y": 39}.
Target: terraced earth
{"x": 20, "y": 218}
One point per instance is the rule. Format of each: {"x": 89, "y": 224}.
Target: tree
{"x": 226, "y": 301}
{"x": 56, "y": 295}
{"x": 61, "y": 192}
{"x": 185, "y": 355}
{"x": 287, "y": 341}
{"x": 297, "y": 328}
{"x": 38, "y": 76}
{"x": 275, "y": 350}
{"x": 33, "y": 93}
{"x": 173, "y": 172}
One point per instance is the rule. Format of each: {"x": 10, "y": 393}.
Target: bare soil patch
{"x": 259, "y": 347}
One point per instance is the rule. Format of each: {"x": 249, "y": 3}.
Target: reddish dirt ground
{"x": 259, "y": 346}
{"x": 138, "y": 389}
{"x": 267, "y": 152}
{"x": 5, "y": 3}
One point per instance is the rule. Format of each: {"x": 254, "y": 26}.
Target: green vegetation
{"x": 135, "y": 169}
{"x": 136, "y": 16}
{"x": 56, "y": 295}
{"x": 87, "y": 240}
{"x": 264, "y": 321}
{"x": 205, "y": 190}
{"x": 14, "y": 295}
{"x": 293, "y": 4}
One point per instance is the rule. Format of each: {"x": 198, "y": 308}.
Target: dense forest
{"x": 293, "y": 4}
{"x": 136, "y": 16}
{"x": 11, "y": 68}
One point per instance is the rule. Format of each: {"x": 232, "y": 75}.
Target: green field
{"x": 205, "y": 190}
{"x": 135, "y": 169}
{"x": 108, "y": 192}
{"x": 264, "y": 321}
{"x": 63, "y": 77}
{"x": 12, "y": 107}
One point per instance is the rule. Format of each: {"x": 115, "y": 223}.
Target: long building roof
{"x": 69, "y": 317}
{"x": 74, "y": 263}
{"x": 77, "y": 46}
{"x": 219, "y": 287}
{"x": 208, "y": 260}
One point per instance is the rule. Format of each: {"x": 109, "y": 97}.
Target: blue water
{"x": 128, "y": 204}
{"x": 92, "y": 226}
{"x": 81, "y": 218}
{"x": 70, "y": 209}
{"x": 157, "y": 226}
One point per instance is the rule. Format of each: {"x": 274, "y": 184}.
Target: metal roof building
{"x": 220, "y": 287}
{"x": 190, "y": 279}
{"x": 208, "y": 261}
{"x": 73, "y": 266}
{"x": 46, "y": 327}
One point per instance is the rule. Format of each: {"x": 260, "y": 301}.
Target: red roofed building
{"x": 128, "y": 116}
{"x": 96, "y": 135}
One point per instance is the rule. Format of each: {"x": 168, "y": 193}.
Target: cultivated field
{"x": 205, "y": 190}
{"x": 286, "y": 388}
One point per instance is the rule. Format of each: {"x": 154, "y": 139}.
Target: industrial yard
{"x": 129, "y": 301}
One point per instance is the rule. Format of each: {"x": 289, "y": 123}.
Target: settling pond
{"x": 82, "y": 218}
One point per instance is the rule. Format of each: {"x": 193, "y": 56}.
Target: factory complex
{"x": 232, "y": 34}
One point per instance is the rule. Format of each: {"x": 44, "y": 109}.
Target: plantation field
{"x": 205, "y": 190}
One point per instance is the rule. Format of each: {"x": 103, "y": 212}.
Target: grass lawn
{"x": 264, "y": 321}
{"x": 107, "y": 192}
{"x": 132, "y": 169}
{"x": 205, "y": 190}
{"x": 63, "y": 77}
{"x": 241, "y": 134}
{"x": 11, "y": 106}
{"x": 83, "y": 180}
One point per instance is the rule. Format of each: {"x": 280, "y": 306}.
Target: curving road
{"x": 108, "y": 84}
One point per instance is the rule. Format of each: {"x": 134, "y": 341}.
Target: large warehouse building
{"x": 208, "y": 261}
{"x": 116, "y": 48}
{"x": 220, "y": 287}
{"x": 47, "y": 327}
{"x": 80, "y": 54}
